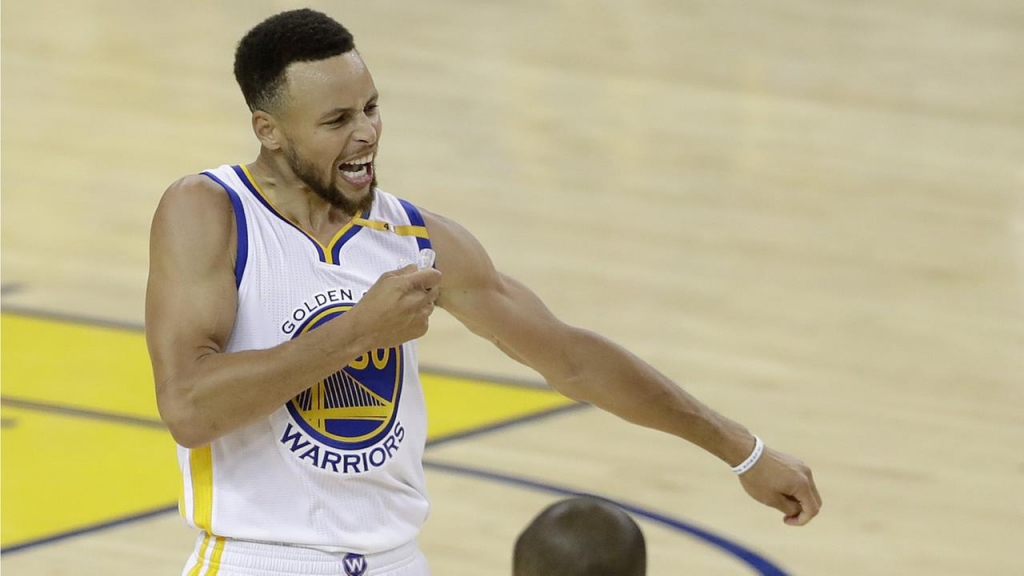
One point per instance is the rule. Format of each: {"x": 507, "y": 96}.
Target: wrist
{"x": 357, "y": 337}
{"x": 752, "y": 459}
{"x": 732, "y": 442}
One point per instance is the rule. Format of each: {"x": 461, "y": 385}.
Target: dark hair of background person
{"x": 581, "y": 536}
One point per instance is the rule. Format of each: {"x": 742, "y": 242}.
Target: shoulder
{"x": 194, "y": 193}
{"x": 461, "y": 258}
{"x": 194, "y": 210}
{"x": 194, "y": 200}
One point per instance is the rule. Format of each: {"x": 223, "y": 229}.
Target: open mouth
{"x": 359, "y": 172}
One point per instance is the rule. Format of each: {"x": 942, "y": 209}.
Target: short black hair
{"x": 271, "y": 46}
{"x": 581, "y": 536}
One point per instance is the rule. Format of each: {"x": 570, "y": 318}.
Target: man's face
{"x": 332, "y": 125}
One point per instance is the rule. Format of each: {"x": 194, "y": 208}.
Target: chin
{"x": 358, "y": 201}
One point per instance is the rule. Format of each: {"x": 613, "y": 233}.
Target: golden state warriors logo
{"x": 356, "y": 406}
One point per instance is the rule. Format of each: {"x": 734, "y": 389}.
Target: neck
{"x": 290, "y": 195}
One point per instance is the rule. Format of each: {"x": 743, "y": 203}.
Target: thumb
{"x": 426, "y": 278}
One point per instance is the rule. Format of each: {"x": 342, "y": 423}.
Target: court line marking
{"x": 87, "y": 529}
{"x": 152, "y": 423}
{"x": 81, "y": 412}
{"x": 485, "y": 378}
{"x": 533, "y": 417}
{"x": 749, "y": 557}
{"x": 764, "y": 566}
{"x": 148, "y": 423}
{"x": 83, "y": 320}
{"x": 71, "y": 318}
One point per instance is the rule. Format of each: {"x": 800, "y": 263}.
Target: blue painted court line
{"x": 71, "y": 318}
{"x": 94, "y": 414}
{"x": 81, "y": 412}
{"x": 89, "y": 529}
{"x": 749, "y": 557}
{"x": 752, "y": 559}
{"x": 135, "y": 327}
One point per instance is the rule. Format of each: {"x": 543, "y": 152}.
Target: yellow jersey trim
{"x": 200, "y": 462}
{"x": 181, "y": 500}
{"x": 417, "y": 231}
{"x": 328, "y": 250}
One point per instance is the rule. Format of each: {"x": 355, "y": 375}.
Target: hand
{"x": 397, "y": 307}
{"x": 785, "y": 483}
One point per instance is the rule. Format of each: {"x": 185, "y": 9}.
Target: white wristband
{"x": 752, "y": 459}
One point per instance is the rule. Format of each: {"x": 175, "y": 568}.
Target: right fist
{"x": 397, "y": 307}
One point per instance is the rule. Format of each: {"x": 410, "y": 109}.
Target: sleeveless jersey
{"x": 338, "y": 467}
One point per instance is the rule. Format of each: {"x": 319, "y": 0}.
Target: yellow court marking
{"x": 92, "y": 367}
{"x": 64, "y": 471}
{"x": 457, "y": 405}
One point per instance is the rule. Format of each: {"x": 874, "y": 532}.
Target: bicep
{"x": 515, "y": 319}
{"x": 191, "y": 295}
{"x": 496, "y": 306}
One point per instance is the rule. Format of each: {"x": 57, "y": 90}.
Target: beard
{"x": 307, "y": 173}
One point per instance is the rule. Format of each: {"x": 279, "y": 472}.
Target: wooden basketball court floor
{"x": 810, "y": 214}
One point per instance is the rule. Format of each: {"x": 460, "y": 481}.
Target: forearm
{"x": 220, "y": 392}
{"x": 610, "y": 377}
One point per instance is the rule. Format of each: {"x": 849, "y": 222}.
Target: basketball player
{"x": 581, "y": 536}
{"x": 282, "y": 312}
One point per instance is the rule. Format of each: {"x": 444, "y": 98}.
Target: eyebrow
{"x": 339, "y": 111}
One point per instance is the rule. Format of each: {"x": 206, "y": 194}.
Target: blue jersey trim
{"x": 245, "y": 180}
{"x": 336, "y": 248}
{"x": 416, "y": 219}
{"x": 242, "y": 255}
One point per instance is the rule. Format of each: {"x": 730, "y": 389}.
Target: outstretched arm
{"x": 589, "y": 368}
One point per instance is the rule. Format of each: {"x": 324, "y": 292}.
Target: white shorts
{"x": 216, "y": 556}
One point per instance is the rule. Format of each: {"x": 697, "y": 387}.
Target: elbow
{"x": 572, "y": 374}
{"x": 187, "y": 435}
{"x": 572, "y": 387}
{"x": 183, "y": 422}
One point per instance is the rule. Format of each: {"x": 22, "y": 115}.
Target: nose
{"x": 366, "y": 130}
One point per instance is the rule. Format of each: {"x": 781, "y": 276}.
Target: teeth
{"x": 364, "y": 160}
{"x": 357, "y": 174}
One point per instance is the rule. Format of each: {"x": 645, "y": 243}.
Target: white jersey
{"x": 339, "y": 467}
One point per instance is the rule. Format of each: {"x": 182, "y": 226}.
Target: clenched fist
{"x": 397, "y": 307}
{"x": 784, "y": 483}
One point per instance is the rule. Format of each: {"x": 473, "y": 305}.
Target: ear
{"x": 267, "y": 132}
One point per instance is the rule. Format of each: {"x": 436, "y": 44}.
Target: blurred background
{"x": 809, "y": 214}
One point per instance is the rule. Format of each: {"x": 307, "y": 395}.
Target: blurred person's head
{"x": 581, "y": 536}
